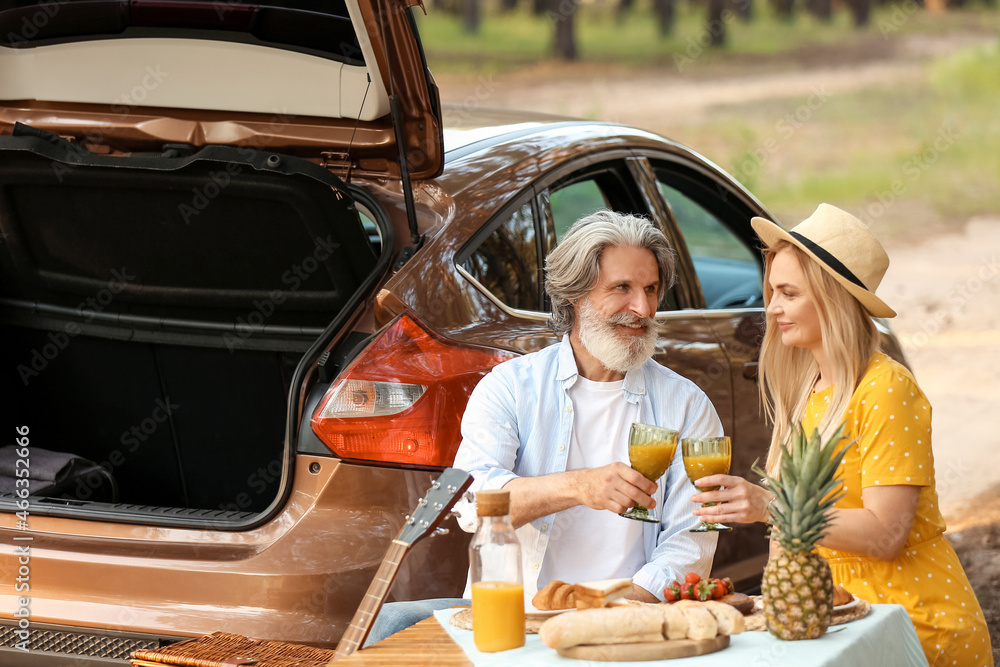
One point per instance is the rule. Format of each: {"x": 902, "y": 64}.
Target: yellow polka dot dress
{"x": 891, "y": 418}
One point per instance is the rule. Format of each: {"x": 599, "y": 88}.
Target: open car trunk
{"x": 154, "y": 310}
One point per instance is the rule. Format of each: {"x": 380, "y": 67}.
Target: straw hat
{"x": 843, "y": 246}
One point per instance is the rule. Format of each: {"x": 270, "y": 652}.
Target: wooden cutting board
{"x": 665, "y": 650}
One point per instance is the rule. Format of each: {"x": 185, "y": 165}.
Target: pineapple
{"x": 797, "y": 585}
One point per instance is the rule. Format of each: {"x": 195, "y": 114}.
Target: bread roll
{"x": 701, "y": 623}
{"x": 675, "y": 624}
{"x": 612, "y": 625}
{"x": 841, "y": 596}
{"x": 601, "y": 593}
{"x": 555, "y": 595}
{"x": 729, "y": 620}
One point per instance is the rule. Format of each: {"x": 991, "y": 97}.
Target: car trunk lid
{"x": 321, "y": 76}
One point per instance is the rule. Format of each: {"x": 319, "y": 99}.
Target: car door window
{"x": 570, "y": 203}
{"x": 569, "y": 199}
{"x": 506, "y": 262}
{"x": 727, "y": 267}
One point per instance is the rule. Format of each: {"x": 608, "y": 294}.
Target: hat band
{"x": 828, "y": 259}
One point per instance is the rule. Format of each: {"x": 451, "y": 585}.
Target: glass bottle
{"x": 495, "y": 564}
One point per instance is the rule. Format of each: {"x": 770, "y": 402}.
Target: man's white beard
{"x": 617, "y": 352}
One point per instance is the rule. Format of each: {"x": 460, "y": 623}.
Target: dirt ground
{"x": 946, "y": 287}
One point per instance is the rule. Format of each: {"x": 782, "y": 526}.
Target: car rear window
{"x": 318, "y": 27}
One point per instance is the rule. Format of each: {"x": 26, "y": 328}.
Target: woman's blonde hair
{"x": 787, "y": 374}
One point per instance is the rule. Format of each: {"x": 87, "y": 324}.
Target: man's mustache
{"x": 630, "y": 320}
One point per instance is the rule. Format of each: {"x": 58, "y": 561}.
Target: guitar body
{"x": 432, "y": 509}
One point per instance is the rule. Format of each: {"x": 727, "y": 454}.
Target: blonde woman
{"x": 820, "y": 364}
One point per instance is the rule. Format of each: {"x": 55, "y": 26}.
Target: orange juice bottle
{"x": 495, "y": 569}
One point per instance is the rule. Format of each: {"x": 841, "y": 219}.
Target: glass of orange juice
{"x": 650, "y": 451}
{"x": 704, "y": 457}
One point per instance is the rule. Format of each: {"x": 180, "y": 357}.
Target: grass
{"x": 509, "y": 41}
{"x": 921, "y": 153}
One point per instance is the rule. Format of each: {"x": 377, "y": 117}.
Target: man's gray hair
{"x": 573, "y": 268}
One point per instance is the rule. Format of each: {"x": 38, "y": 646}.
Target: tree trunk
{"x": 861, "y": 11}
{"x": 563, "y": 14}
{"x": 665, "y": 16}
{"x": 821, "y": 9}
{"x": 471, "y": 16}
{"x": 539, "y": 7}
{"x": 508, "y": 5}
{"x": 716, "y": 26}
{"x": 623, "y": 8}
{"x": 744, "y": 8}
{"x": 784, "y": 9}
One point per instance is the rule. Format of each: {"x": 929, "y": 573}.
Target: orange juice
{"x": 497, "y": 615}
{"x": 652, "y": 460}
{"x": 705, "y": 465}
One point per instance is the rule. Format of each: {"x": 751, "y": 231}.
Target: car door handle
{"x": 750, "y": 370}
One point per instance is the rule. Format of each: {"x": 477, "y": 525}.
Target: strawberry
{"x": 703, "y": 590}
{"x": 692, "y": 578}
{"x": 687, "y": 591}
{"x": 672, "y": 592}
{"x": 719, "y": 589}
{"x": 730, "y": 587}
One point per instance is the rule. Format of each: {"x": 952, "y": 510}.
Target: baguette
{"x": 729, "y": 619}
{"x": 701, "y": 622}
{"x": 675, "y": 624}
{"x": 615, "y": 625}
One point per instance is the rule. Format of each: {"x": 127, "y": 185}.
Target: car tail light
{"x": 401, "y": 400}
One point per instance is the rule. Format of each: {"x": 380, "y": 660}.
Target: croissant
{"x": 555, "y": 595}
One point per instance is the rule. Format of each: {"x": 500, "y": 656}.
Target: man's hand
{"x": 615, "y": 487}
{"x": 641, "y": 594}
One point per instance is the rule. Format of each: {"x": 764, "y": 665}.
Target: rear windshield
{"x": 318, "y": 27}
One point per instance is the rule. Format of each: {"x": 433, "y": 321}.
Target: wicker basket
{"x": 221, "y": 649}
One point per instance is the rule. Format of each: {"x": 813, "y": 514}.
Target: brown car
{"x": 247, "y": 282}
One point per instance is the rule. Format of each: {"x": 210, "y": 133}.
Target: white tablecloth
{"x": 885, "y": 638}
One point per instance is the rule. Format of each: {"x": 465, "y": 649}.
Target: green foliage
{"x": 804, "y": 490}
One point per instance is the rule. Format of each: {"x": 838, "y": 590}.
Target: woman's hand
{"x": 739, "y": 502}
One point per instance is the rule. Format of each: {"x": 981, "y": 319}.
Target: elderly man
{"x": 552, "y": 426}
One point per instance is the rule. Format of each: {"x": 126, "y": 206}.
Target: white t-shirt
{"x": 613, "y": 545}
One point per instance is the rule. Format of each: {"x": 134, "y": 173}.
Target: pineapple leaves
{"x": 804, "y": 490}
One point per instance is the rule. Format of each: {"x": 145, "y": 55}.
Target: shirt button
{"x": 535, "y": 565}
{"x": 569, "y": 408}
{"x": 642, "y": 391}
{"x": 545, "y": 526}
{"x": 562, "y": 447}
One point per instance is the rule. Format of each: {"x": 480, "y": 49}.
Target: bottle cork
{"x": 493, "y": 503}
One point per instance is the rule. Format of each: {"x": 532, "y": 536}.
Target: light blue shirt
{"x": 519, "y": 422}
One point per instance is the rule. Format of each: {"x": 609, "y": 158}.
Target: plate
{"x": 850, "y": 605}
{"x": 530, "y": 611}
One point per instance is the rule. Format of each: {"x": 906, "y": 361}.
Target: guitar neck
{"x": 361, "y": 624}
